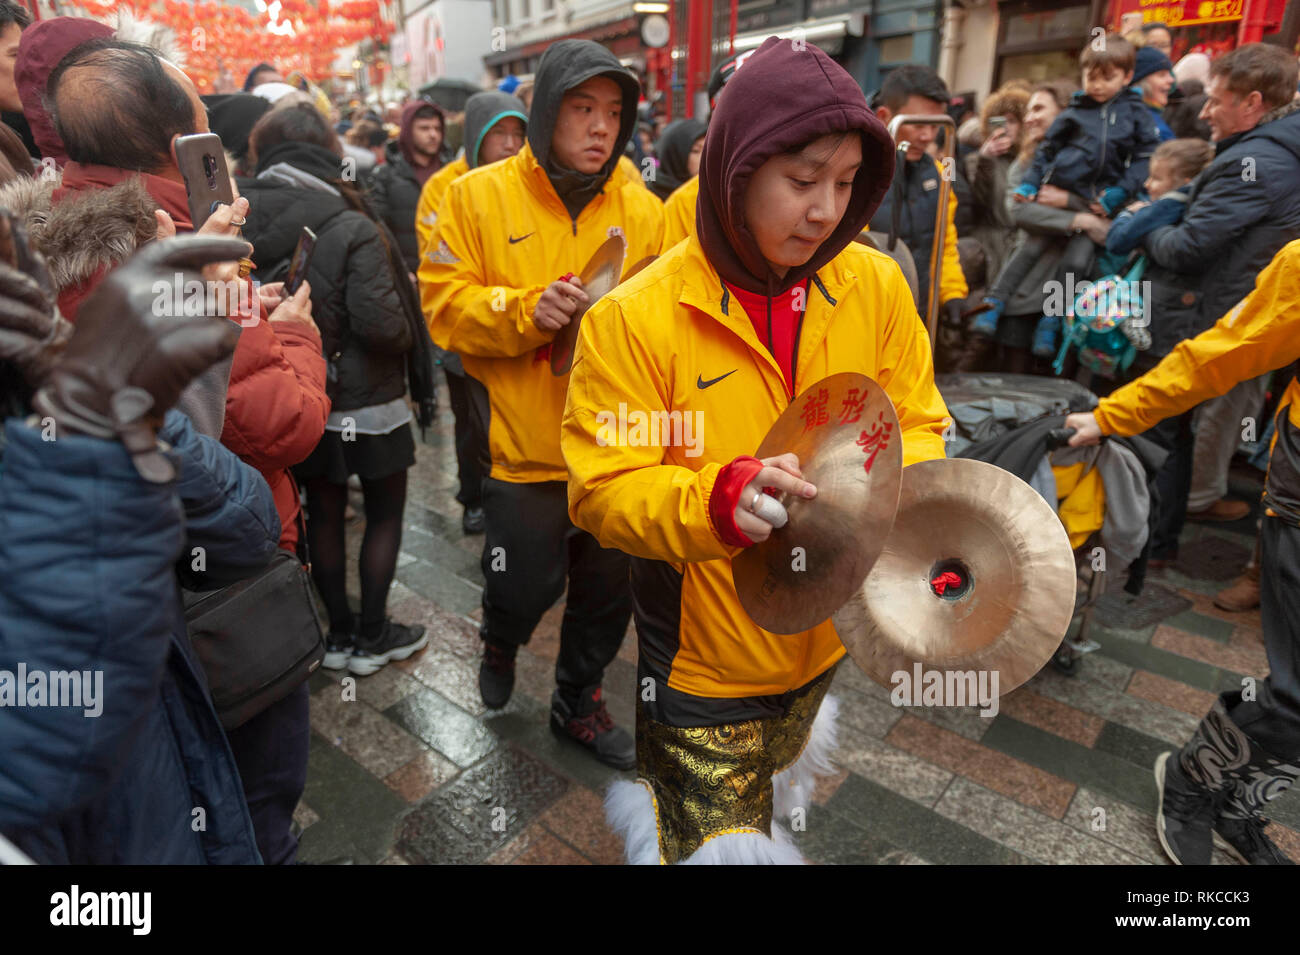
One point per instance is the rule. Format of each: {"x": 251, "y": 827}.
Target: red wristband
{"x": 726, "y": 495}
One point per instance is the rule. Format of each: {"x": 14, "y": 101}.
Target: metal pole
{"x": 731, "y": 42}
{"x": 941, "y": 212}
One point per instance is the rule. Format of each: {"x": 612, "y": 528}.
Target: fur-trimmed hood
{"x": 86, "y": 231}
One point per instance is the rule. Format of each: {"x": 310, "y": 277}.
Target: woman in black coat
{"x": 368, "y": 331}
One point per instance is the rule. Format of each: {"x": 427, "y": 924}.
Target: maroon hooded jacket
{"x": 42, "y": 46}
{"x": 781, "y": 99}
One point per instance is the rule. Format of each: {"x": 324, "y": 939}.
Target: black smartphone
{"x": 301, "y": 260}
{"x": 202, "y": 162}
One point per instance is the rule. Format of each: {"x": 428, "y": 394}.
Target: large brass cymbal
{"x": 599, "y": 276}
{"x": 1012, "y": 558}
{"x": 846, "y": 435}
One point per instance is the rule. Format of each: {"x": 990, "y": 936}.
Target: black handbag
{"x": 258, "y": 639}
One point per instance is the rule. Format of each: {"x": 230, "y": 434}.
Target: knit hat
{"x": 1150, "y": 60}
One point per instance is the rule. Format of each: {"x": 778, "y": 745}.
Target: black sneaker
{"x": 591, "y": 726}
{"x": 396, "y": 642}
{"x": 1184, "y": 815}
{"x": 473, "y": 521}
{"x": 496, "y": 675}
{"x": 338, "y": 650}
{"x": 1246, "y": 841}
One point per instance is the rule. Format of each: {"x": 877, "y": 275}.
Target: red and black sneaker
{"x": 590, "y": 725}
{"x": 496, "y": 675}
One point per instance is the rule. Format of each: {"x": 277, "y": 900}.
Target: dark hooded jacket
{"x": 746, "y": 131}
{"x": 395, "y": 186}
{"x": 232, "y": 116}
{"x": 354, "y": 281}
{"x": 567, "y": 64}
{"x": 482, "y": 112}
{"x": 673, "y": 150}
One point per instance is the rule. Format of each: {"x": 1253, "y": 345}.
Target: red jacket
{"x": 275, "y": 404}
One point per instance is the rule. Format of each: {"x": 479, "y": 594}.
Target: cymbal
{"x": 846, "y": 435}
{"x": 599, "y": 275}
{"x": 1012, "y": 597}
{"x": 637, "y": 266}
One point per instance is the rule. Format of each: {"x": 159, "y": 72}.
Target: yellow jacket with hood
{"x": 1260, "y": 334}
{"x": 426, "y": 210}
{"x": 672, "y": 342}
{"x": 503, "y": 235}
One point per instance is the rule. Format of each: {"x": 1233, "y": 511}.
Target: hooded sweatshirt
{"x": 565, "y": 65}
{"x": 673, "y": 150}
{"x": 755, "y": 121}
{"x": 405, "y": 140}
{"x": 482, "y": 112}
{"x": 43, "y": 45}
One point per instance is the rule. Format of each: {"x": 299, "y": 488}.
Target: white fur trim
{"x": 748, "y": 848}
{"x": 162, "y": 38}
{"x": 630, "y": 811}
{"x": 792, "y": 787}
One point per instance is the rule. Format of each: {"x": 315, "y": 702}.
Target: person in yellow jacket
{"x": 495, "y": 124}
{"x": 679, "y": 212}
{"x": 914, "y": 200}
{"x": 717, "y": 337}
{"x": 1246, "y": 751}
{"x": 493, "y": 290}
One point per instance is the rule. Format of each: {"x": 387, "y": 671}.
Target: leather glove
{"x": 32, "y": 332}
{"x": 129, "y": 359}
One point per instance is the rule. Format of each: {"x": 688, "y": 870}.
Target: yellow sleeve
{"x": 952, "y": 284}
{"x": 464, "y": 313}
{"x": 626, "y": 497}
{"x": 426, "y": 208}
{"x": 679, "y": 219}
{"x": 1261, "y": 333}
{"x": 907, "y": 375}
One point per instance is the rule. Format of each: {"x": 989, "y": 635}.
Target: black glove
{"x": 32, "y": 332}
{"x": 128, "y": 361}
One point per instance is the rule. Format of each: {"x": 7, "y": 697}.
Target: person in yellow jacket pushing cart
{"x": 493, "y": 291}
{"x": 765, "y": 298}
{"x": 1246, "y": 751}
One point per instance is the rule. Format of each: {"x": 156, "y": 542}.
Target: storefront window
{"x": 1067, "y": 24}
{"x": 1040, "y": 67}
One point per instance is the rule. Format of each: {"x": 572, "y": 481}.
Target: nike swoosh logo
{"x": 513, "y": 240}
{"x": 702, "y": 384}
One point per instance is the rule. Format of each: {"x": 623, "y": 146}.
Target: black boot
{"x": 1193, "y": 785}
{"x": 496, "y": 674}
{"x": 1240, "y": 825}
{"x": 588, "y": 723}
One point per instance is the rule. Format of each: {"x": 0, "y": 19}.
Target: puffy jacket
{"x": 88, "y": 557}
{"x": 916, "y": 188}
{"x": 646, "y": 345}
{"x": 394, "y": 193}
{"x": 679, "y": 212}
{"x": 1091, "y": 147}
{"x": 1242, "y": 209}
{"x": 1260, "y": 334}
{"x": 354, "y": 294}
{"x": 503, "y": 236}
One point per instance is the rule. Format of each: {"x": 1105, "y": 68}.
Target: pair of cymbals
{"x": 602, "y": 273}
{"x": 952, "y": 563}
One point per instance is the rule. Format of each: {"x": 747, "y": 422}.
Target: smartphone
{"x": 301, "y": 260}
{"x": 202, "y": 162}
{"x": 997, "y": 122}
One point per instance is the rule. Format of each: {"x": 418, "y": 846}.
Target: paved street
{"x": 414, "y": 770}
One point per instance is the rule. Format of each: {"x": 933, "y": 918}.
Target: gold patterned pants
{"x": 712, "y": 780}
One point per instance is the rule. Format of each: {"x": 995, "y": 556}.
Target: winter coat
{"x": 354, "y": 294}
{"x": 1242, "y": 209}
{"x": 679, "y": 213}
{"x": 1037, "y": 219}
{"x": 648, "y": 344}
{"x": 88, "y": 558}
{"x": 916, "y": 192}
{"x": 994, "y": 228}
{"x": 394, "y": 193}
{"x": 1091, "y": 147}
{"x": 508, "y": 230}
{"x": 270, "y": 403}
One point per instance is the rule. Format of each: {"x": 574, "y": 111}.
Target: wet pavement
{"x": 408, "y": 767}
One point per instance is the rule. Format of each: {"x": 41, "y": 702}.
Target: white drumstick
{"x": 771, "y": 510}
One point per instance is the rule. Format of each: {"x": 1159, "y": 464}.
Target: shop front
{"x": 1212, "y": 27}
